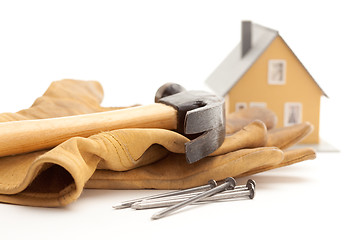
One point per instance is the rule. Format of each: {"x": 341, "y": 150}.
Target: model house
{"x": 263, "y": 71}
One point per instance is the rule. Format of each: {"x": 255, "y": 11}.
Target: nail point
{"x": 118, "y": 207}
{"x": 156, "y": 216}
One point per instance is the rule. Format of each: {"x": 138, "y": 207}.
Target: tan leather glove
{"x": 63, "y": 98}
{"x": 136, "y": 158}
{"x": 242, "y": 154}
{"x": 239, "y": 119}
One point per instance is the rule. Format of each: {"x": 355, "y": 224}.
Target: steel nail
{"x": 211, "y": 184}
{"x": 229, "y": 184}
{"x": 249, "y": 184}
{"x": 188, "y": 195}
{"x": 226, "y": 195}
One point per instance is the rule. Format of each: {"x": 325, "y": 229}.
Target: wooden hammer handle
{"x": 31, "y": 135}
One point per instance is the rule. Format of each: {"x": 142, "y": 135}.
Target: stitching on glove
{"x": 109, "y": 134}
{"x": 205, "y": 170}
{"x": 299, "y": 159}
{"x": 123, "y": 144}
{"x": 282, "y": 164}
{"x": 36, "y": 170}
{"x": 60, "y": 198}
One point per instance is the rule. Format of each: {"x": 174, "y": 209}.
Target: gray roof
{"x": 227, "y": 74}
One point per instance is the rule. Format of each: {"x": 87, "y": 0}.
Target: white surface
{"x": 310, "y": 200}
{"x": 133, "y": 48}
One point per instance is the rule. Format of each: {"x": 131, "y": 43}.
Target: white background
{"x": 134, "y": 47}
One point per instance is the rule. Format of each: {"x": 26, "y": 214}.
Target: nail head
{"x": 249, "y": 183}
{"x": 251, "y": 190}
{"x": 232, "y": 182}
{"x": 212, "y": 183}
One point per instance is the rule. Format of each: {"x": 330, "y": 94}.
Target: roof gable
{"x": 233, "y": 67}
{"x": 322, "y": 91}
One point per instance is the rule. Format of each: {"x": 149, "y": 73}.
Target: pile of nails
{"x": 203, "y": 194}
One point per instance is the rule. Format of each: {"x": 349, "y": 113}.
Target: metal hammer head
{"x": 201, "y": 117}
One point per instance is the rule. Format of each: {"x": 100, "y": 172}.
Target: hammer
{"x": 197, "y": 114}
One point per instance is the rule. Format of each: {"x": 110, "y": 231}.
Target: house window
{"x": 292, "y": 113}
{"x": 258, "y": 104}
{"x": 240, "y": 106}
{"x": 276, "y": 72}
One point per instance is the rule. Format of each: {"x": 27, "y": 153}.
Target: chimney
{"x": 245, "y": 37}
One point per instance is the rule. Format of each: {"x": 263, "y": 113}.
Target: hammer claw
{"x": 205, "y": 144}
{"x": 201, "y": 116}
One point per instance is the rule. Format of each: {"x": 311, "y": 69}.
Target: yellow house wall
{"x": 299, "y": 87}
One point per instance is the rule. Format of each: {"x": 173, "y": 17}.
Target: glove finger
{"x": 35, "y": 180}
{"x": 173, "y": 172}
{"x": 297, "y": 155}
{"x": 286, "y": 137}
{"x": 251, "y": 136}
{"x": 290, "y": 157}
{"x": 63, "y": 98}
{"x": 125, "y": 149}
{"x": 57, "y": 177}
{"x": 239, "y": 119}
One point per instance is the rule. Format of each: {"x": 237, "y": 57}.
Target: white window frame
{"x": 289, "y": 107}
{"x": 273, "y": 68}
{"x": 258, "y": 104}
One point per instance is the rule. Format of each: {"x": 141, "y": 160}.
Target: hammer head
{"x": 201, "y": 117}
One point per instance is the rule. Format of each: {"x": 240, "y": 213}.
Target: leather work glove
{"x": 63, "y": 98}
{"x": 132, "y": 158}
